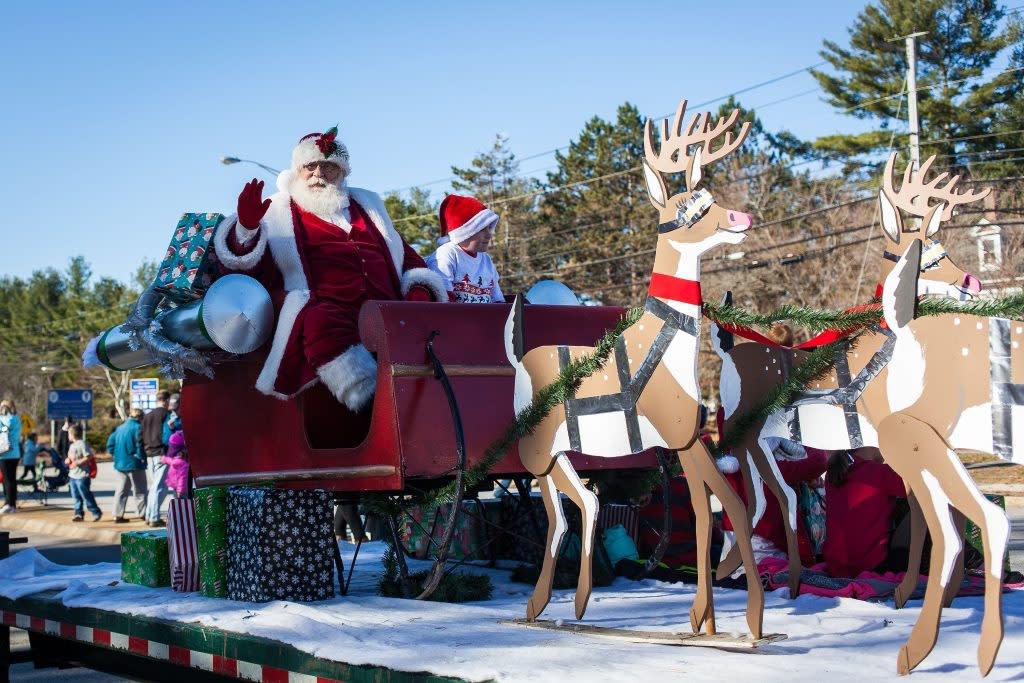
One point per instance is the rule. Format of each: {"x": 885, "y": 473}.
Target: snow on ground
{"x": 843, "y": 639}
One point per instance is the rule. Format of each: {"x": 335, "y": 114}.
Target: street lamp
{"x": 227, "y": 161}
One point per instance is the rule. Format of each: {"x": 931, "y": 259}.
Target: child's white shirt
{"x": 471, "y": 279}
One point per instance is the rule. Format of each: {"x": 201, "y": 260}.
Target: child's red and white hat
{"x": 462, "y": 217}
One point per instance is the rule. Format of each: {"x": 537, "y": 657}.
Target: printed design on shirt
{"x": 468, "y": 292}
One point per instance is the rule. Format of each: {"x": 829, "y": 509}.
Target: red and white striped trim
{"x": 175, "y": 654}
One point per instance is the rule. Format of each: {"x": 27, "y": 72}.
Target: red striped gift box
{"x": 181, "y": 545}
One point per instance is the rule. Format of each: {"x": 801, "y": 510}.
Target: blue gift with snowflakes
{"x": 280, "y": 545}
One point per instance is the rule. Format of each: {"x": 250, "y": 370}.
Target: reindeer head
{"x": 691, "y": 219}
{"x": 938, "y": 274}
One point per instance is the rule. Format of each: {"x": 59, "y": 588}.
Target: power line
{"x": 696, "y": 106}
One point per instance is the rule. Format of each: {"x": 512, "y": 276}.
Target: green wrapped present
{"x": 212, "y": 534}
{"x": 144, "y": 558}
{"x": 972, "y": 534}
{"x": 189, "y": 264}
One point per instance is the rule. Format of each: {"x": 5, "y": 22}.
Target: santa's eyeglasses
{"x": 327, "y": 168}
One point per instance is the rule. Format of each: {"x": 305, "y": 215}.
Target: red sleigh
{"x": 240, "y": 436}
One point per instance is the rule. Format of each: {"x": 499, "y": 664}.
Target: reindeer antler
{"x": 914, "y": 194}
{"x": 674, "y": 156}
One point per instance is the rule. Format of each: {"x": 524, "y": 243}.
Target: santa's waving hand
{"x": 330, "y": 248}
{"x": 251, "y": 205}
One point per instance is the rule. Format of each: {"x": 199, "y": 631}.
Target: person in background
{"x": 152, "y": 435}
{"x": 178, "y": 475}
{"x": 861, "y": 493}
{"x": 63, "y": 440}
{"x": 79, "y": 457}
{"x": 10, "y": 453}
{"x": 173, "y": 422}
{"x": 125, "y": 446}
{"x": 29, "y": 449}
{"x": 461, "y": 259}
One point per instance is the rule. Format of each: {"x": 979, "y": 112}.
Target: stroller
{"x": 51, "y": 474}
{"x": 55, "y": 472}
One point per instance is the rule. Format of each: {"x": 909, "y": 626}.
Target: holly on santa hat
{"x": 462, "y": 217}
{"x": 320, "y": 147}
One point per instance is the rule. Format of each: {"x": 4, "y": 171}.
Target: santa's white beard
{"x": 320, "y": 197}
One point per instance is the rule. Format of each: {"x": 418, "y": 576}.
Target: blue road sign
{"x": 143, "y": 392}
{"x": 74, "y": 402}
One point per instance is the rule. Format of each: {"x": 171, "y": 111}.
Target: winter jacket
{"x": 28, "y": 456}
{"x": 12, "y": 425}
{"x": 125, "y": 446}
{"x": 171, "y": 424}
{"x": 153, "y": 431}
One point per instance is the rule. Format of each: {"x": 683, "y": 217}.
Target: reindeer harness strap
{"x": 625, "y": 400}
{"x": 1005, "y": 394}
{"x": 849, "y": 391}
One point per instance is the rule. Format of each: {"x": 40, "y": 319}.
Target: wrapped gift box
{"x": 189, "y": 264}
{"x": 181, "y": 545}
{"x": 972, "y": 534}
{"x": 477, "y": 523}
{"x": 280, "y": 544}
{"x": 144, "y": 558}
{"x": 212, "y": 540}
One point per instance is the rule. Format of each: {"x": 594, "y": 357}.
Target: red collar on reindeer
{"x": 675, "y": 288}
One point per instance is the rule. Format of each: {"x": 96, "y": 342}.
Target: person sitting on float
{"x": 331, "y": 248}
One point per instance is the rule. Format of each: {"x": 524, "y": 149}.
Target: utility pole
{"x": 915, "y": 125}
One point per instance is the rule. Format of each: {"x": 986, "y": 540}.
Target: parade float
{"x": 557, "y": 393}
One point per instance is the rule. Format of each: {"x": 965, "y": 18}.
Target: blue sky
{"x": 116, "y": 113}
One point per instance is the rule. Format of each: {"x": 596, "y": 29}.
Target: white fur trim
{"x": 424, "y": 277}
{"x": 278, "y": 233}
{"x": 351, "y": 377}
{"x": 229, "y": 258}
{"x": 293, "y": 303}
{"x": 484, "y": 219}
{"x": 284, "y": 180}
{"x": 307, "y": 152}
{"x": 728, "y": 464}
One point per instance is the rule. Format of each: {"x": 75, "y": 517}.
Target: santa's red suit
{"x": 328, "y": 270}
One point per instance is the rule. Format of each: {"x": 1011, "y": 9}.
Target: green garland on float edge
{"x": 817, "y": 363}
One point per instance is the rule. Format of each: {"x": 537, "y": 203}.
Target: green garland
{"x": 817, "y": 363}
{"x": 816, "y": 320}
{"x": 555, "y": 393}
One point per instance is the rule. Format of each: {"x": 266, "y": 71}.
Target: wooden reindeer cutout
{"x": 751, "y": 370}
{"x": 646, "y": 395}
{"x": 916, "y": 390}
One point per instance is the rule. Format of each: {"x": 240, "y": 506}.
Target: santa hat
{"x": 462, "y": 217}
{"x": 320, "y": 147}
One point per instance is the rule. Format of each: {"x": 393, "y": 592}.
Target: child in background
{"x": 467, "y": 227}
{"x": 177, "y": 465}
{"x": 28, "y": 456}
{"x": 78, "y": 460}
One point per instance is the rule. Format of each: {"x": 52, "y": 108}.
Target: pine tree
{"x": 493, "y": 177}
{"x": 958, "y": 96}
{"x": 415, "y": 218}
{"x": 598, "y": 226}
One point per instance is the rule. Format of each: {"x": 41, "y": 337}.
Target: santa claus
{"x": 331, "y": 248}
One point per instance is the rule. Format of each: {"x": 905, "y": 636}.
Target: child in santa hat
{"x": 467, "y": 227}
